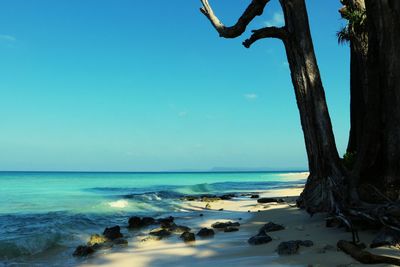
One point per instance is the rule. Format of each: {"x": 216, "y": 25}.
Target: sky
{"x": 105, "y": 85}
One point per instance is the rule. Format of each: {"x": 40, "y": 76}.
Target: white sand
{"x": 232, "y": 249}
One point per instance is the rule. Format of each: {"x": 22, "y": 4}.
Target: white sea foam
{"x": 120, "y": 204}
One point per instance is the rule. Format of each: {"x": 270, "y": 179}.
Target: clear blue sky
{"x": 148, "y": 85}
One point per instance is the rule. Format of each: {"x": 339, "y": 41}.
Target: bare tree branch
{"x": 255, "y": 8}
{"x": 267, "y": 32}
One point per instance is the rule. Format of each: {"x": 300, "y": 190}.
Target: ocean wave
{"x": 120, "y": 204}
{"x": 29, "y": 245}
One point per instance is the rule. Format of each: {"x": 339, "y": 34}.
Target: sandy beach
{"x": 232, "y": 248}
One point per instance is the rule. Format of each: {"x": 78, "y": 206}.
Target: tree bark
{"x": 325, "y": 184}
{"x": 378, "y": 162}
{"x": 358, "y": 81}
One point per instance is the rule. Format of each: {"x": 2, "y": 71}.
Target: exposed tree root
{"x": 365, "y": 256}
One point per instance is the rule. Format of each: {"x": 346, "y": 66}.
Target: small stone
{"x": 83, "y": 251}
{"x": 227, "y": 196}
{"x": 188, "y": 237}
{"x": 223, "y": 225}
{"x": 221, "y": 209}
{"x": 288, "y": 248}
{"x": 230, "y": 229}
{"x": 306, "y": 243}
{"x": 160, "y": 232}
{"x": 255, "y": 196}
{"x": 266, "y": 200}
{"x": 137, "y": 222}
{"x": 201, "y": 215}
{"x": 271, "y": 227}
{"x": 166, "y": 220}
{"x": 206, "y": 232}
{"x": 259, "y": 240}
{"x": 113, "y": 232}
{"x": 177, "y": 229}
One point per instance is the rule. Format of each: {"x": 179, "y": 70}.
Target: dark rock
{"x": 292, "y": 247}
{"x": 188, "y": 237}
{"x": 206, "y": 232}
{"x": 201, "y": 215}
{"x": 120, "y": 242}
{"x": 83, "y": 251}
{"x": 98, "y": 242}
{"x": 227, "y": 196}
{"x": 159, "y": 232}
{"x": 271, "y": 227}
{"x": 305, "y": 243}
{"x": 386, "y": 237}
{"x": 176, "y": 229}
{"x": 166, "y": 220}
{"x": 190, "y": 198}
{"x": 146, "y": 221}
{"x": 135, "y": 222}
{"x": 230, "y": 229}
{"x": 221, "y": 209}
{"x": 255, "y": 196}
{"x": 267, "y": 200}
{"x": 288, "y": 248}
{"x": 113, "y": 232}
{"x": 105, "y": 245}
{"x": 96, "y": 239}
{"x": 259, "y": 239}
{"x": 223, "y": 225}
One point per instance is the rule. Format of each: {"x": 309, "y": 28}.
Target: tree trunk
{"x": 378, "y": 162}
{"x": 358, "y": 79}
{"x": 326, "y": 180}
{"x": 358, "y": 90}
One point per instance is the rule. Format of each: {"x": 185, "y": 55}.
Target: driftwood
{"x": 365, "y": 256}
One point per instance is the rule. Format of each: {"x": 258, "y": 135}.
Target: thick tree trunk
{"x": 358, "y": 91}
{"x": 378, "y": 162}
{"x": 326, "y": 181}
{"x": 358, "y": 74}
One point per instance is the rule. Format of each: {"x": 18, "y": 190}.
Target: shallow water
{"x": 44, "y": 216}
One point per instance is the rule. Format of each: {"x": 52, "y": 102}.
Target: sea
{"x": 44, "y": 216}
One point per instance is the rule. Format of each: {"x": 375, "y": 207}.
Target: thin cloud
{"x": 276, "y": 20}
{"x": 7, "y": 38}
{"x": 251, "y": 96}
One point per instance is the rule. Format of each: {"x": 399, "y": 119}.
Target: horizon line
{"x": 161, "y": 172}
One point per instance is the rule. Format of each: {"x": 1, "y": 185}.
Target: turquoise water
{"x": 51, "y": 213}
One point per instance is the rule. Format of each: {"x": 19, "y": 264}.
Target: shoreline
{"x": 232, "y": 248}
